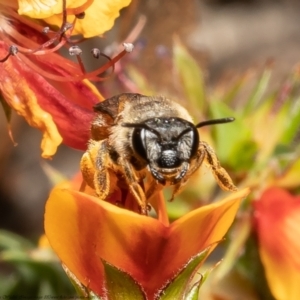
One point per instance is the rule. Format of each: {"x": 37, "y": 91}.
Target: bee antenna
{"x": 215, "y": 121}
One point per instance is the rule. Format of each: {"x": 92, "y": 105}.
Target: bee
{"x": 136, "y": 138}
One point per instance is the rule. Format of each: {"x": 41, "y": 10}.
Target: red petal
{"x": 69, "y": 103}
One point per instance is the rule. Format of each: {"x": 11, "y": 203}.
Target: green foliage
{"x": 257, "y": 93}
{"x": 120, "y": 285}
{"x": 190, "y": 75}
{"x": 181, "y": 286}
{"x": 36, "y": 272}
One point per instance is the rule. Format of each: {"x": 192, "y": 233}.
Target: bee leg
{"x": 87, "y": 164}
{"x": 153, "y": 188}
{"x": 101, "y": 176}
{"x": 220, "y": 174}
{"x": 176, "y": 190}
{"x": 186, "y": 172}
{"x": 134, "y": 186}
{"x": 179, "y": 180}
{"x": 156, "y": 174}
{"x": 184, "y": 169}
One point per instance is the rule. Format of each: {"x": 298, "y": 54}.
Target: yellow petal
{"x": 214, "y": 220}
{"x": 43, "y": 242}
{"x": 25, "y": 103}
{"x": 39, "y": 9}
{"x": 99, "y": 17}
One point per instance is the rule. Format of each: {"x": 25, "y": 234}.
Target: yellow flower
{"x": 99, "y": 15}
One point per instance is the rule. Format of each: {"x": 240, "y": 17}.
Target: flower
{"x": 99, "y": 16}
{"x": 48, "y": 90}
{"x": 277, "y": 219}
{"x": 84, "y": 231}
{"x": 49, "y": 107}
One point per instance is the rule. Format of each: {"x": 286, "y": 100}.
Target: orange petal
{"x": 82, "y": 230}
{"x": 24, "y": 101}
{"x": 277, "y": 223}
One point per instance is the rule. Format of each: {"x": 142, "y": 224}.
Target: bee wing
{"x": 114, "y": 105}
{"x": 107, "y": 112}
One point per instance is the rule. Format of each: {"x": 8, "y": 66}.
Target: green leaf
{"x": 120, "y": 285}
{"x": 233, "y": 286}
{"x": 290, "y": 178}
{"x": 35, "y": 270}
{"x": 13, "y": 241}
{"x": 81, "y": 290}
{"x": 228, "y": 95}
{"x": 179, "y": 288}
{"x": 235, "y": 146}
{"x": 190, "y": 74}
{"x": 194, "y": 291}
{"x": 258, "y": 91}
{"x": 8, "y": 284}
{"x": 292, "y": 122}
{"x": 226, "y": 135}
{"x": 268, "y": 137}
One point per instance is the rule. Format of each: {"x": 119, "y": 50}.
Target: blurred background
{"x": 226, "y": 37}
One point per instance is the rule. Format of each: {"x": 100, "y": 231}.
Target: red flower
{"x": 277, "y": 219}
{"x": 48, "y": 90}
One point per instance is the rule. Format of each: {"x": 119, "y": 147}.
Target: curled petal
{"x": 22, "y": 98}
{"x": 83, "y": 230}
{"x": 51, "y": 107}
{"x": 277, "y": 224}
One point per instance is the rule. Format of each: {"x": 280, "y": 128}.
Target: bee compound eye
{"x": 138, "y": 143}
{"x": 195, "y": 142}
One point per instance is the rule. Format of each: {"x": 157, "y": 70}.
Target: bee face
{"x": 165, "y": 144}
{"x": 133, "y": 136}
